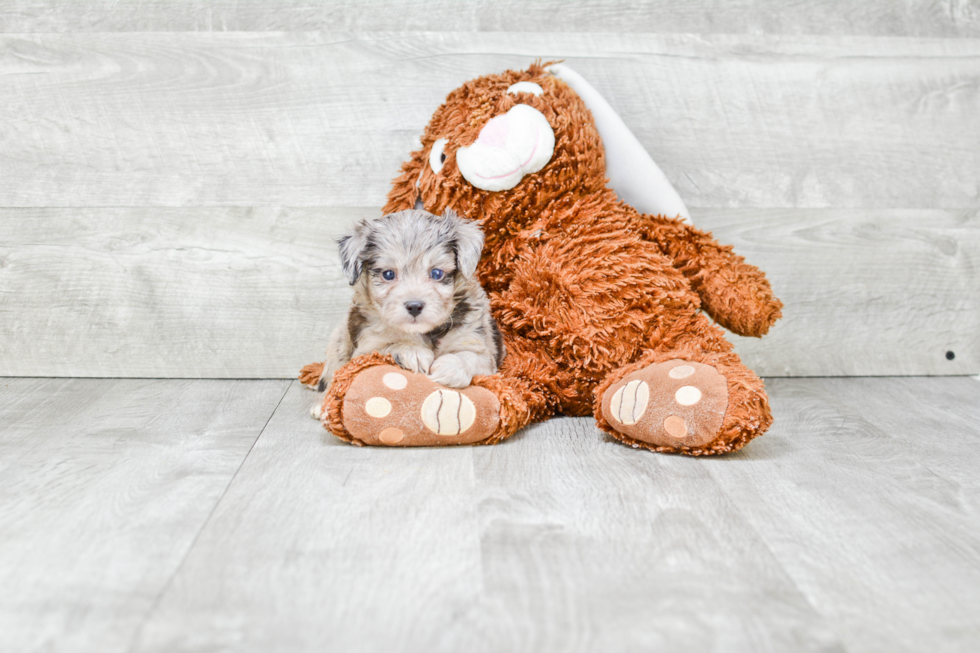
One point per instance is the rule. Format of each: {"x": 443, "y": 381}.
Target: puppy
{"x": 416, "y": 297}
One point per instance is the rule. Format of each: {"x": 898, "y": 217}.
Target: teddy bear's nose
{"x": 494, "y": 133}
{"x": 517, "y": 143}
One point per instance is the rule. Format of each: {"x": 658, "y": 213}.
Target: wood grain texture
{"x": 104, "y": 485}
{"x": 560, "y": 540}
{"x": 866, "y": 292}
{"x": 345, "y": 549}
{"x": 858, "y": 496}
{"x": 588, "y": 545}
{"x": 833, "y": 532}
{"x": 325, "y": 118}
{"x": 254, "y": 293}
{"x": 951, "y": 18}
{"x": 928, "y": 405}
{"x": 227, "y": 293}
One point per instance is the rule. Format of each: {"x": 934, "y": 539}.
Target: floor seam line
{"x": 793, "y": 581}
{"x": 166, "y": 587}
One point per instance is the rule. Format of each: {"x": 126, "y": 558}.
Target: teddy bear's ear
{"x": 632, "y": 173}
{"x": 352, "y": 251}
{"x": 467, "y": 238}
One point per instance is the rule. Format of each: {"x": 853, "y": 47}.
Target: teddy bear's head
{"x": 503, "y": 147}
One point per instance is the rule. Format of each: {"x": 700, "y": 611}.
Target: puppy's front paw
{"x": 317, "y": 411}
{"x": 414, "y": 360}
{"x": 450, "y": 371}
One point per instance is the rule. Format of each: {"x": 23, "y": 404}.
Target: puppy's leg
{"x": 457, "y": 370}
{"x": 338, "y": 353}
{"x": 412, "y": 358}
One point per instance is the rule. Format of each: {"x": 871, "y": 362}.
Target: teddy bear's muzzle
{"x": 517, "y": 143}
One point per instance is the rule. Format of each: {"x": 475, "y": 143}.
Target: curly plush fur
{"x": 585, "y": 289}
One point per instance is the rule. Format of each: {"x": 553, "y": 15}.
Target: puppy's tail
{"x": 310, "y": 375}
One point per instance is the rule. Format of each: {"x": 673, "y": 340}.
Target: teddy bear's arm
{"x": 737, "y": 295}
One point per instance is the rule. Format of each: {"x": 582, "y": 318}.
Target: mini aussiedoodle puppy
{"x": 417, "y": 298}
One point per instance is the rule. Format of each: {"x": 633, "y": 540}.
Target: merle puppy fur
{"x": 416, "y": 297}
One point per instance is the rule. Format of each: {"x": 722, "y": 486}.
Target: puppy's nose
{"x": 414, "y": 308}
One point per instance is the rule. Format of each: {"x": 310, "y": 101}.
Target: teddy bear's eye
{"x": 437, "y": 156}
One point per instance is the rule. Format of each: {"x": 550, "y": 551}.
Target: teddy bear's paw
{"x": 386, "y": 405}
{"x": 310, "y": 375}
{"x": 676, "y": 403}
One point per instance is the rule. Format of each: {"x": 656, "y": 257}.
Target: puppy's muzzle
{"x": 415, "y": 308}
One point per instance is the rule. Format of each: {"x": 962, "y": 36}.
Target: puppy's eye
{"x": 437, "y": 274}
{"x": 388, "y": 275}
{"x": 437, "y": 156}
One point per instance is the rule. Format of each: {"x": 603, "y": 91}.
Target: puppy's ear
{"x": 352, "y": 251}
{"x": 467, "y": 240}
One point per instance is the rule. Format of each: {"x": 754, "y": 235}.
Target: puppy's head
{"x": 408, "y": 265}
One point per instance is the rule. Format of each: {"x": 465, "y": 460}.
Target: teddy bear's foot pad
{"x": 389, "y": 406}
{"x": 676, "y": 403}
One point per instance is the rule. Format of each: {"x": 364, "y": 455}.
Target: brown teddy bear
{"x": 600, "y": 306}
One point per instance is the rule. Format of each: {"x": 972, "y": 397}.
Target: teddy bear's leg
{"x": 373, "y": 401}
{"x": 687, "y": 399}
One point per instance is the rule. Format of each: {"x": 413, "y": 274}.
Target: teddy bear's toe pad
{"x": 676, "y": 403}
{"x": 386, "y": 405}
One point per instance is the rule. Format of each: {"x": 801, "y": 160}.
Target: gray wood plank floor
{"x": 104, "y": 485}
{"x": 181, "y": 515}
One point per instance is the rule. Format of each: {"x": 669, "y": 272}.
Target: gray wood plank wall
{"x": 953, "y": 18}
{"x": 171, "y": 193}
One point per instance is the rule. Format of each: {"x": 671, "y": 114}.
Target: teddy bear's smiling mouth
{"x": 497, "y": 161}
